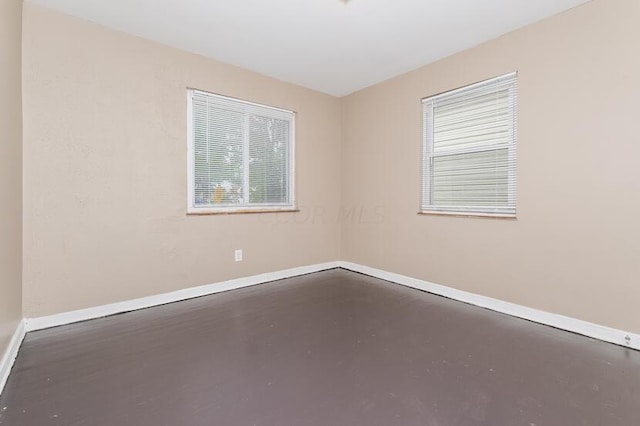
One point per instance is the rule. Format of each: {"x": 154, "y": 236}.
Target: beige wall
{"x": 10, "y": 169}
{"x": 575, "y": 248}
{"x": 106, "y": 171}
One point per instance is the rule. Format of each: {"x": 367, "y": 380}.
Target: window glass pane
{"x": 202, "y": 189}
{"x": 482, "y": 120}
{"x": 218, "y": 151}
{"x": 269, "y": 160}
{"x": 478, "y": 179}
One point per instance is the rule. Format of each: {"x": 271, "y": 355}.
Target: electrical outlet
{"x": 239, "y": 255}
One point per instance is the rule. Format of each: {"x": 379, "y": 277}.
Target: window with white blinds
{"x": 470, "y": 149}
{"x": 240, "y": 155}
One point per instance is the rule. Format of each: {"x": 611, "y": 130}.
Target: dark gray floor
{"x": 327, "y": 349}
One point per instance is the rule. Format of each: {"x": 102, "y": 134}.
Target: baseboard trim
{"x": 40, "y": 323}
{"x": 10, "y": 355}
{"x": 595, "y": 331}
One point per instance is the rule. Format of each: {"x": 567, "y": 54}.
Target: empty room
{"x": 319, "y": 213}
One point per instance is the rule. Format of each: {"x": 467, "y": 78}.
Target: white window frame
{"x": 240, "y": 208}
{"x": 426, "y": 206}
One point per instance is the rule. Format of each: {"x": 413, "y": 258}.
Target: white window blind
{"x": 470, "y": 149}
{"x": 240, "y": 155}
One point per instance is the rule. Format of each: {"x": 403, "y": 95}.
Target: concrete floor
{"x": 327, "y": 349}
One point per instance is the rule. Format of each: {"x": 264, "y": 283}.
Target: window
{"x": 240, "y": 155}
{"x": 470, "y": 150}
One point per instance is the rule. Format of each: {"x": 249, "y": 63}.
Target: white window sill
{"x": 241, "y": 211}
{"x": 469, "y": 215}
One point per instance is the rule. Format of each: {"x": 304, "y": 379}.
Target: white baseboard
{"x": 584, "y": 328}
{"x": 33, "y": 324}
{"x": 599, "y": 332}
{"x": 9, "y": 357}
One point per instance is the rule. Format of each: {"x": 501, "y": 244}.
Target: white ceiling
{"x": 327, "y": 45}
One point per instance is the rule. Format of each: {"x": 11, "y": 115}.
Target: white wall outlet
{"x": 239, "y": 255}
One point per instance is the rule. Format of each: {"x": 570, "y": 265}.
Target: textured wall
{"x": 575, "y": 246}
{"x": 106, "y": 171}
{"x": 10, "y": 169}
